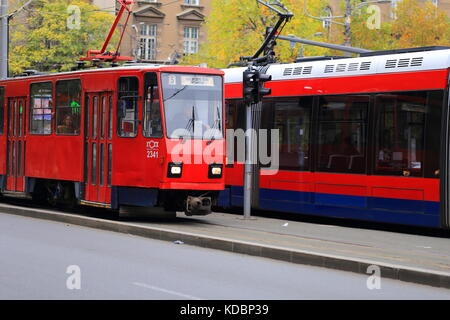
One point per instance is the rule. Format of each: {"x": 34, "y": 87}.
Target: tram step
{"x": 18, "y": 195}
{"x": 95, "y": 204}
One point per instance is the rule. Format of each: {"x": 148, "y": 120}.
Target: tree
{"x": 236, "y": 28}
{"x": 47, "y": 42}
{"x": 416, "y": 25}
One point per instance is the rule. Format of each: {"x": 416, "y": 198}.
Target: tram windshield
{"x": 193, "y": 105}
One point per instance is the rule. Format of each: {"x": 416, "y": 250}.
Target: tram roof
{"x": 416, "y": 59}
{"x": 131, "y": 67}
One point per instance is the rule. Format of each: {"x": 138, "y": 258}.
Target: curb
{"x": 396, "y": 272}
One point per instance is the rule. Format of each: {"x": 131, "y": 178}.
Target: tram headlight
{"x": 175, "y": 169}
{"x": 215, "y": 171}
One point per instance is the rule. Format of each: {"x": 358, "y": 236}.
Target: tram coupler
{"x": 198, "y": 206}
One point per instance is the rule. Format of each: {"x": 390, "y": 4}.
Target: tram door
{"x": 98, "y": 147}
{"x": 15, "y": 160}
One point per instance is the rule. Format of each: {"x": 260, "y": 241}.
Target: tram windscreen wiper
{"x": 217, "y": 125}
{"x": 176, "y": 92}
{"x": 191, "y": 123}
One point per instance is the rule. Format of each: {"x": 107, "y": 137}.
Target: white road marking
{"x": 147, "y": 286}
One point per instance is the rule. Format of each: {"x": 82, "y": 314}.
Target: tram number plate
{"x": 152, "y": 149}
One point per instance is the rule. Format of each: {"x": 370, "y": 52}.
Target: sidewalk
{"x": 407, "y": 257}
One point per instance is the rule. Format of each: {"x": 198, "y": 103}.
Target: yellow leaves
{"x": 420, "y": 25}
{"x": 236, "y": 28}
{"x": 417, "y": 24}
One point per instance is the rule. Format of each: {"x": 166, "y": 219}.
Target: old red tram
{"x": 137, "y": 135}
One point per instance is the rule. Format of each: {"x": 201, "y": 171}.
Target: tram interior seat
{"x": 345, "y": 163}
{"x": 338, "y": 162}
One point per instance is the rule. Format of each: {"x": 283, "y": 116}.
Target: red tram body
{"x": 359, "y": 138}
{"x": 101, "y": 137}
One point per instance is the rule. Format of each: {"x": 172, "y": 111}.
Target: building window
{"x": 68, "y": 105}
{"x": 191, "y": 40}
{"x": 41, "y": 108}
{"x": 192, "y": 2}
{"x": 147, "y": 42}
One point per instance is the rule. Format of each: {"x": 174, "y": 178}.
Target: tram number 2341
{"x": 152, "y": 149}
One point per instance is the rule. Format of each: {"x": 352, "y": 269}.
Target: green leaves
{"x": 236, "y": 28}
{"x": 46, "y": 42}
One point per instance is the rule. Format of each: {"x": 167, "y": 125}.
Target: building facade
{"x": 162, "y": 31}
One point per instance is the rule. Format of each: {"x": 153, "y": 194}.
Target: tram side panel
{"x": 2, "y": 135}
{"x": 370, "y": 184}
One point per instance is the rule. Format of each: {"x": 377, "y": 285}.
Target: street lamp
{"x": 317, "y": 34}
{"x": 137, "y": 47}
{"x": 349, "y": 12}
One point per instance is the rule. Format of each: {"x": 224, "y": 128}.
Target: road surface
{"x": 41, "y": 259}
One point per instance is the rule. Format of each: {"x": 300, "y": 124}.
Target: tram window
{"x": 127, "y": 106}
{"x": 41, "y": 108}
{"x": 292, "y": 119}
{"x": 2, "y": 108}
{"x": 230, "y": 121}
{"x": 94, "y": 117}
{"x": 94, "y": 164}
{"x": 86, "y": 116}
{"x": 109, "y": 164}
{"x": 152, "y": 113}
{"x": 235, "y": 122}
{"x": 110, "y": 120}
{"x": 231, "y": 115}
{"x": 400, "y": 132}
{"x": 101, "y": 165}
{"x": 433, "y": 133}
{"x": 68, "y": 107}
{"x": 342, "y": 135}
{"x": 102, "y": 117}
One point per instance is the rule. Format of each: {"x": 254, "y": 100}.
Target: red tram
{"x": 135, "y": 135}
{"x": 359, "y": 138}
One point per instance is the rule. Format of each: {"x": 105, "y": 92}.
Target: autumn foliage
{"x": 236, "y": 28}
{"x": 41, "y": 39}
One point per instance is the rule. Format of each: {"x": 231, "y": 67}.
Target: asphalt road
{"x": 39, "y": 259}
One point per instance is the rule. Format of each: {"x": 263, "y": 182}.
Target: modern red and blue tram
{"x": 131, "y": 136}
{"x": 363, "y": 138}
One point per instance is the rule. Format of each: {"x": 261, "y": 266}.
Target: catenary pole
{"x": 4, "y": 39}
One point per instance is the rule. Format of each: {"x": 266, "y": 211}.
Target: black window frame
{"x": 144, "y": 106}
{"x": 56, "y": 107}
{"x": 136, "y": 116}
{"x": 31, "y": 108}
{"x": 428, "y": 138}
{"x": 317, "y": 125}
{"x": 269, "y": 112}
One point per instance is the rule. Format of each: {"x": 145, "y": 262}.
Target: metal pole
{"x": 4, "y": 39}
{"x": 248, "y": 163}
{"x": 347, "y": 22}
{"x": 325, "y": 45}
